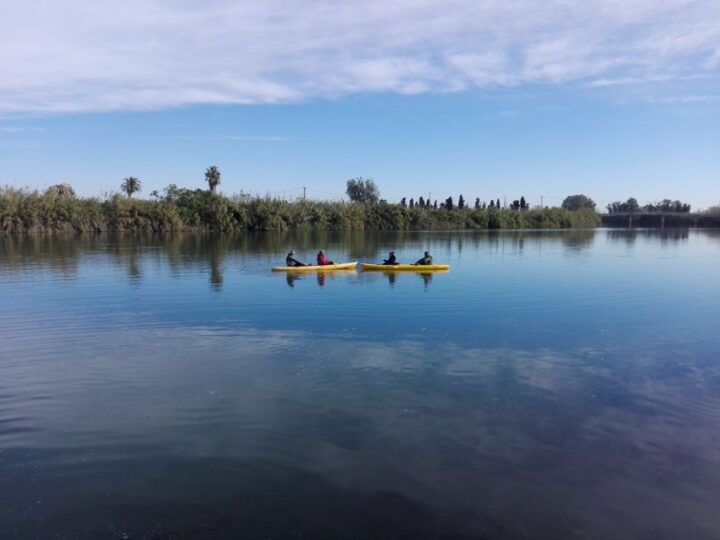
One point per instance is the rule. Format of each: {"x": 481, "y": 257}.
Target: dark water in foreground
{"x": 552, "y": 385}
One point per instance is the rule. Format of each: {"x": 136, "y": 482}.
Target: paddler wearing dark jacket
{"x": 427, "y": 259}
{"x": 291, "y": 261}
{"x": 392, "y": 259}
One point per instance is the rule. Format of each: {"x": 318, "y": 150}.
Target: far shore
{"x": 25, "y": 211}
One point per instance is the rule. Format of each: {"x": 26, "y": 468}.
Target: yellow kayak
{"x": 315, "y": 268}
{"x": 405, "y": 267}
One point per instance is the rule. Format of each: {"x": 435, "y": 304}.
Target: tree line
{"x": 449, "y": 204}
{"x": 365, "y": 191}
{"x": 632, "y": 205}
{"x": 132, "y": 185}
{"x": 176, "y": 208}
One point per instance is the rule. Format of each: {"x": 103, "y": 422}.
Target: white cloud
{"x": 19, "y": 129}
{"x": 75, "y": 56}
{"x": 248, "y": 138}
{"x": 683, "y": 99}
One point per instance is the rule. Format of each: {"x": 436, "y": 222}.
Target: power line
{"x": 303, "y": 192}
{"x": 543, "y": 197}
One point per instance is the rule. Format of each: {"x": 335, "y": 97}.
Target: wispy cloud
{"x": 19, "y": 129}
{"x": 683, "y": 99}
{"x": 79, "y": 56}
{"x": 18, "y": 145}
{"x": 251, "y": 138}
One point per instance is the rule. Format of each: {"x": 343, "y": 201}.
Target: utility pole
{"x": 303, "y": 193}
{"x": 543, "y": 197}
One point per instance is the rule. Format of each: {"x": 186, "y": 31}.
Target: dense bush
{"x": 578, "y": 202}
{"x": 179, "y": 209}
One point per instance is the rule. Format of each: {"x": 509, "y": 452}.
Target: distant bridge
{"x": 658, "y": 219}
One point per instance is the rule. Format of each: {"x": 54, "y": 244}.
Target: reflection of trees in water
{"x": 518, "y": 241}
{"x": 187, "y": 250}
{"x": 578, "y": 240}
{"x": 61, "y": 254}
{"x": 218, "y": 247}
{"x": 664, "y": 236}
{"x": 673, "y": 235}
{"x": 133, "y": 266}
{"x": 627, "y": 236}
{"x": 126, "y": 249}
{"x": 373, "y": 246}
{"x": 173, "y": 249}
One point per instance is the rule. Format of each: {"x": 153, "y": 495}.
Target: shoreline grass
{"x": 29, "y": 211}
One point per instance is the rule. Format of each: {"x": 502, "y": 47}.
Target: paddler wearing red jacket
{"x": 321, "y": 259}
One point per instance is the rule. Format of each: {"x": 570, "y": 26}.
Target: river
{"x": 554, "y": 384}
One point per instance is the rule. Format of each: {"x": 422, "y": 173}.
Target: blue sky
{"x": 612, "y": 99}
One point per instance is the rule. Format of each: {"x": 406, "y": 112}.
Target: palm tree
{"x": 212, "y": 177}
{"x": 131, "y": 185}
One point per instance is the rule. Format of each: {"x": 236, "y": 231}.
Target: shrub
{"x": 23, "y": 210}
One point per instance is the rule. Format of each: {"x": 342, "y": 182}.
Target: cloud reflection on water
{"x": 563, "y": 382}
{"x": 475, "y": 436}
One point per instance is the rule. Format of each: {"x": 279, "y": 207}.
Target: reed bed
{"x": 24, "y": 210}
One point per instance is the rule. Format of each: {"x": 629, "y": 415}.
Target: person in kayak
{"x": 290, "y": 260}
{"x": 426, "y": 260}
{"x": 321, "y": 260}
{"x": 392, "y": 259}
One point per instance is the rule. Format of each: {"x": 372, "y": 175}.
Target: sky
{"x": 489, "y": 99}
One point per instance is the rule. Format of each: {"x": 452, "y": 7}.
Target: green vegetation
{"x": 578, "y": 202}
{"x": 130, "y": 185}
{"x": 632, "y": 205}
{"x": 178, "y": 209}
{"x": 362, "y": 191}
{"x": 212, "y": 177}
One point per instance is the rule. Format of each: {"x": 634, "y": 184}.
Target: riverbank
{"x": 26, "y": 211}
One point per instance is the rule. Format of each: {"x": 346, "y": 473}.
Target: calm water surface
{"x": 552, "y": 385}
